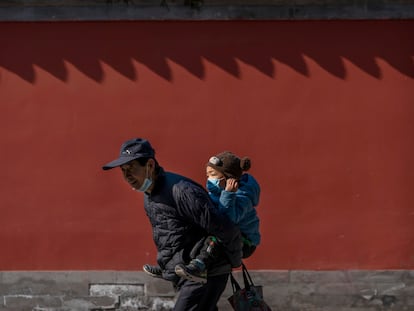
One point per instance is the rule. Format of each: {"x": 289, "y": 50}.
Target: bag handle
{"x": 234, "y": 284}
{"x": 248, "y": 282}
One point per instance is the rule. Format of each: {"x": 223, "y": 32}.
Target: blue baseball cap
{"x": 131, "y": 150}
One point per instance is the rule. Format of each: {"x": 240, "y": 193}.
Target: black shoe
{"x": 192, "y": 272}
{"x": 154, "y": 271}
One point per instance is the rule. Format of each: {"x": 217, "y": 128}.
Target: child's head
{"x": 226, "y": 164}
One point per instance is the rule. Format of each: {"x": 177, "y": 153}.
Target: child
{"x": 236, "y": 194}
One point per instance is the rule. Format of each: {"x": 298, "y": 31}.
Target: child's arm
{"x": 234, "y": 205}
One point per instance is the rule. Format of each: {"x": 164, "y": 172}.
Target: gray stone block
{"x": 88, "y": 303}
{"x": 381, "y": 276}
{"x": 318, "y": 276}
{"x": 30, "y": 302}
{"x": 159, "y": 288}
{"x": 116, "y": 290}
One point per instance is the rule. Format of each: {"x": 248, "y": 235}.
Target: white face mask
{"x": 146, "y": 184}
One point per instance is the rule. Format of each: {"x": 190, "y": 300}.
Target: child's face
{"x": 215, "y": 174}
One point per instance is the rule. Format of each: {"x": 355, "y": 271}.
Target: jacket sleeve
{"x": 195, "y": 206}
{"x": 234, "y": 205}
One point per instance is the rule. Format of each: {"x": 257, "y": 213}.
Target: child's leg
{"x": 208, "y": 253}
{"x": 196, "y": 270}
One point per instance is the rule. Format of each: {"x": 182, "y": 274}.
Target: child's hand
{"x": 231, "y": 185}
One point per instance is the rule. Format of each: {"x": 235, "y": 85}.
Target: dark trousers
{"x": 193, "y": 296}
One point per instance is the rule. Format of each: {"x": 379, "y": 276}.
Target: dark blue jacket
{"x": 181, "y": 213}
{"x": 240, "y": 206}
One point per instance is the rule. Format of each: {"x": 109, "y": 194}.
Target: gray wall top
{"x": 134, "y": 10}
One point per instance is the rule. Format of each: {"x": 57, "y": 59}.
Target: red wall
{"x": 325, "y": 110}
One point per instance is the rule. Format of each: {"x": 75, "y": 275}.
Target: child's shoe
{"x": 154, "y": 271}
{"x": 194, "y": 271}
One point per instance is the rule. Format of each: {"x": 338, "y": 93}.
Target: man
{"x": 181, "y": 213}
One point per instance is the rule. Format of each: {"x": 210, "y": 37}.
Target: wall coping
{"x": 153, "y": 12}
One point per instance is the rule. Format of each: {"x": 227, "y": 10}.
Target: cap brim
{"x": 118, "y": 162}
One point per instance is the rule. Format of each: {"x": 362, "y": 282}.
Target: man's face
{"x": 134, "y": 174}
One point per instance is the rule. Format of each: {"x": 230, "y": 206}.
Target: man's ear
{"x": 151, "y": 163}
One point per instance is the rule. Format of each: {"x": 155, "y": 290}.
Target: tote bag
{"x": 249, "y": 298}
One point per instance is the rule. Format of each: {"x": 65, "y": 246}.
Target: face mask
{"x": 213, "y": 185}
{"x": 146, "y": 184}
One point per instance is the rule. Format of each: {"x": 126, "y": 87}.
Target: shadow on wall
{"x": 259, "y": 44}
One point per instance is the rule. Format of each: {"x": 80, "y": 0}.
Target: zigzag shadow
{"x": 258, "y": 44}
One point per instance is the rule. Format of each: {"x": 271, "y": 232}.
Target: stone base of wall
{"x": 130, "y": 290}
